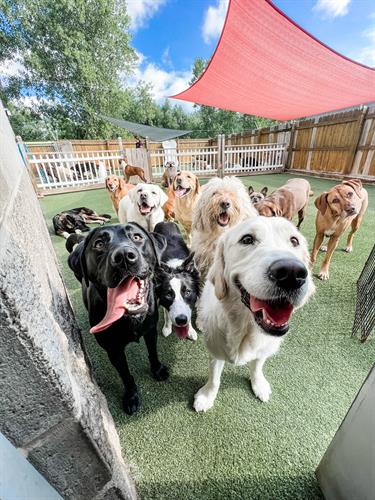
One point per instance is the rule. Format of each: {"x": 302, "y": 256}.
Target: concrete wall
{"x": 50, "y": 407}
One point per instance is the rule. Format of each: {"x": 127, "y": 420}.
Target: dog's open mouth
{"x": 129, "y": 298}
{"x": 182, "y": 331}
{"x": 271, "y": 315}
{"x": 180, "y": 192}
{"x": 144, "y": 208}
{"x": 223, "y": 219}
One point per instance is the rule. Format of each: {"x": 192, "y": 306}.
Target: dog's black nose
{"x": 288, "y": 274}
{"x": 225, "y": 204}
{"x": 181, "y": 320}
{"x": 143, "y": 196}
{"x": 124, "y": 255}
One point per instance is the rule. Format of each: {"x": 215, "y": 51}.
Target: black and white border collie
{"x": 178, "y": 283}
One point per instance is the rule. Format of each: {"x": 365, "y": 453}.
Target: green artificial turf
{"x": 241, "y": 448}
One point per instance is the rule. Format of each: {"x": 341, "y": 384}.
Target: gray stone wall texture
{"x": 50, "y": 406}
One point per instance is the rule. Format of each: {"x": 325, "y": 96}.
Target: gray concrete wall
{"x": 50, "y": 407}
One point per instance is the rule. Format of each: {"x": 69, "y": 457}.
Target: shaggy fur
{"x": 243, "y": 272}
{"x": 187, "y": 191}
{"x": 222, "y": 204}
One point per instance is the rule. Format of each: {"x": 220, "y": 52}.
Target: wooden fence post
{"x": 356, "y": 140}
{"x": 290, "y": 147}
{"x": 148, "y": 152}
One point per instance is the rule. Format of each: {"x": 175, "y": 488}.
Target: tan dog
{"x": 287, "y": 201}
{"x": 168, "y": 206}
{"x": 187, "y": 189}
{"x": 341, "y": 206}
{"x": 117, "y": 189}
{"x": 222, "y": 204}
{"x": 130, "y": 170}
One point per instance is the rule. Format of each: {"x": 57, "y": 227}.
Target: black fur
{"x": 100, "y": 262}
{"x": 77, "y": 219}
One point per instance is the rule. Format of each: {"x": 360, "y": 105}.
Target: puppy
{"x": 178, "y": 284}
{"x": 117, "y": 189}
{"x": 187, "y": 190}
{"x": 256, "y": 197}
{"x": 130, "y": 170}
{"x": 222, "y": 204}
{"x": 75, "y": 220}
{"x": 341, "y": 206}
{"x": 169, "y": 174}
{"x": 143, "y": 205}
{"x": 258, "y": 278}
{"x": 115, "y": 267}
{"x": 287, "y": 201}
{"x": 168, "y": 207}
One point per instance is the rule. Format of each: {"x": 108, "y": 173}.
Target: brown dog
{"x": 117, "y": 189}
{"x": 341, "y": 206}
{"x": 287, "y": 201}
{"x": 168, "y": 207}
{"x": 130, "y": 170}
{"x": 256, "y": 197}
{"x": 186, "y": 188}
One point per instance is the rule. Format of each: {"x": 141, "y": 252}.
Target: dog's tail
{"x": 73, "y": 240}
{"x": 311, "y": 193}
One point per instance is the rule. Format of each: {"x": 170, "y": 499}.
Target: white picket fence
{"x": 56, "y": 170}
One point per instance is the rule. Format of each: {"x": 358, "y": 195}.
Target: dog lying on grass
{"x": 115, "y": 266}
{"x": 258, "y": 278}
{"x": 75, "y": 220}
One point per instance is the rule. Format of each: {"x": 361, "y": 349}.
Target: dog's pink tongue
{"x": 182, "y": 331}
{"x": 179, "y": 192}
{"x": 279, "y": 314}
{"x": 116, "y": 298}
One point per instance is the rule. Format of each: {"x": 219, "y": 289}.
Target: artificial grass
{"x": 241, "y": 448}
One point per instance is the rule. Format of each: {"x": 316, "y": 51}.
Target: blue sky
{"x": 169, "y": 34}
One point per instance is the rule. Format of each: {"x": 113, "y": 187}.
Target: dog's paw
{"x": 348, "y": 249}
{"x": 323, "y": 275}
{"x": 323, "y": 248}
{"x": 78, "y": 231}
{"x": 130, "y": 403}
{"x": 204, "y": 399}
{"x": 166, "y": 331}
{"x": 192, "y": 335}
{"x": 161, "y": 373}
{"x": 262, "y": 389}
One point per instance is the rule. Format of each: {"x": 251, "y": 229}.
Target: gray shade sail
{"x": 153, "y": 133}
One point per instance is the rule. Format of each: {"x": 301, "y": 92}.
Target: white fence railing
{"x": 55, "y": 170}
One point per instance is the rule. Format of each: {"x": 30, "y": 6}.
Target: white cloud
{"x": 163, "y": 83}
{"x": 214, "y": 20}
{"x": 140, "y": 11}
{"x": 366, "y": 55}
{"x": 332, "y": 8}
{"x": 166, "y": 58}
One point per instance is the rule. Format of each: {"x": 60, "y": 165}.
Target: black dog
{"x": 115, "y": 266}
{"x": 76, "y": 220}
{"x": 178, "y": 284}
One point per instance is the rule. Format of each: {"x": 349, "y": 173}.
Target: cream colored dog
{"x": 143, "y": 205}
{"x": 222, "y": 204}
{"x": 187, "y": 190}
{"x": 259, "y": 277}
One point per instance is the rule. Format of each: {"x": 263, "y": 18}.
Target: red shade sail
{"x": 267, "y": 65}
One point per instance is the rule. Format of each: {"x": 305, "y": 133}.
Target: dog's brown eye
{"x": 294, "y": 241}
{"x": 99, "y": 245}
{"x": 350, "y": 194}
{"x": 335, "y": 200}
{"x": 137, "y": 237}
{"x": 248, "y": 239}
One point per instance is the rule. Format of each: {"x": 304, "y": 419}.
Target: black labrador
{"x": 115, "y": 265}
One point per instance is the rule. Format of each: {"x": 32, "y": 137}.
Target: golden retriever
{"x": 187, "y": 189}
{"x": 222, "y": 204}
{"x": 287, "y": 200}
{"x": 117, "y": 188}
{"x": 341, "y": 206}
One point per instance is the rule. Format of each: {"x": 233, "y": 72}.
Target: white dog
{"x": 258, "y": 278}
{"x": 222, "y": 204}
{"x": 143, "y": 205}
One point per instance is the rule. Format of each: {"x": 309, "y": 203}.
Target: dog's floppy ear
{"x": 121, "y": 183}
{"x": 188, "y": 265}
{"x": 197, "y": 185}
{"x": 264, "y": 191}
{"x": 216, "y": 272}
{"x": 159, "y": 244}
{"x": 132, "y": 193}
{"x": 355, "y": 184}
{"x": 321, "y": 202}
{"x": 77, "y": 260}
{"x": 163, "y": 197}
{"x": 251, "y": 190}
{"x": 106, "y": 182}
